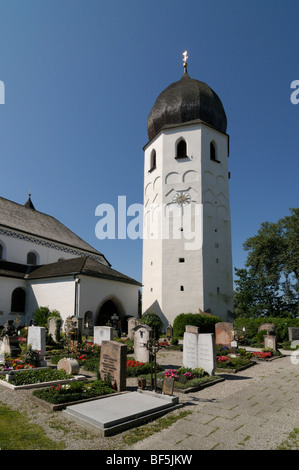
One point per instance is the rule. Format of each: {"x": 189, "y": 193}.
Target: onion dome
{"x": 184, "y": 101}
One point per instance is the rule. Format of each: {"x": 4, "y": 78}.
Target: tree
{"x": 268, "y": 285}
{"x": 153, "y": 321}
{"x": 42, "y": 315}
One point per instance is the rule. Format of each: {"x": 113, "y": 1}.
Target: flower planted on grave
{"x": 133, "y": 363}
{"x": 262, "y": 355}
{"x": 223, "y": 360}
{"x": 173, "y": 373}
{"x": 185, "y": 374}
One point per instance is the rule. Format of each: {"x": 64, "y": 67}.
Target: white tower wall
{"x": 181, "y": 275}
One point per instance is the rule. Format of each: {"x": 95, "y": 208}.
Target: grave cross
{"x": 153, "y": 347}
{"x": 114, "y": 319}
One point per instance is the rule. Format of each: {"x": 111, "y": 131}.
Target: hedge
{"x": 206, "y": 324}
{"x": 251, "y": 326}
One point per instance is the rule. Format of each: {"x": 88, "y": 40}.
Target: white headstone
{"x": 190, "y": 350}
{"x": 199, "y": 351}
{"x": 37, "y": 338}
{"x": 2, "y": 354}
{"x": 207, "y": 352}
{"x": 141, "y": 337}
{"x": 102, "y": 333}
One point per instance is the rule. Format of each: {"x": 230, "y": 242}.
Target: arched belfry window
{"x": 181, "y": 149}
{"x": 213, "y": 152}
{"x": 1, "y": 251}
{"x": 153, "y": 160}
{"x": 32, "y": 258}
{"x": 18, "y": 299}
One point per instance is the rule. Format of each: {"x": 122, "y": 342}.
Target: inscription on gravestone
{"x": 190, "y": 350}
{"x": 142, "y": 334}
{"x": 113, "y": 363}
{"x": 224, "y": 333}
{"x": 102, "y": 333}
{"x": 37, "y": 339}
{"x": 207, "y": 352}
{"x": 168, "y": 385}
{"x": 199, "y": 351}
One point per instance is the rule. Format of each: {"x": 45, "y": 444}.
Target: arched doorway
{"x": 108, "y": 310}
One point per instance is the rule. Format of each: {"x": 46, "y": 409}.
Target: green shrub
{"x": 73, "y": 391}
{"x": 206, "y": 324}
{"x": 153, "y": 321}
{"x": 28, "y": 377}
{"x": 251, "y": 327}
{"x": 42, "y": 315}
{"x": 260, "y": 336}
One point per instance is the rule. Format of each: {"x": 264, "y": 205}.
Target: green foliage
{"x": 268, "y": 285}
{"x": 28, "y": 377}
{"x": 42, "y": 315}
{"x": 31, "y": 356}
{"x": 140, "y": 369}
{"x": 87, "y": 354}
{"x": 206, "y": 324}
{"x": 251, "y": 327}
{"x": 73, "y": 391}
{"x": 234, "y": 363}
{"x": 154, "y": 321}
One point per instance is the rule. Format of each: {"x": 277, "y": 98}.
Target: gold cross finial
{"x": 185, "y": 57}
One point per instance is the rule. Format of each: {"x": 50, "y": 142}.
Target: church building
{"x": 44, "y": 264}
{"x": 187, "y": 255}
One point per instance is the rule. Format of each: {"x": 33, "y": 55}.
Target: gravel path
{"x": 76, "y": 437}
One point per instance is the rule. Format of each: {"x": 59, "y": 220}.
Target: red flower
{"x": 132, "y": 363}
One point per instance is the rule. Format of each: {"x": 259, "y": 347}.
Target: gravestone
{"x": 9, "y": 337}
{"x": 207, "y": 352}
{"x": 102, "y": 333}
{"x": 113, "y": 364}
{"x": 2, "y": 354}
{"x": 199, "y": 350}
{"x": 293, "y": 333}
{"x": 37, "y": 340}
{"x": 191, "y": 329}
{"x": 168, "y": 385}
{"x": 269, "y": 327}
{"x": 73, "y": 329}
{"x": 142, "y": 334}
{"x": 270, "y": 342}
{"x": 169, "y": 333}
{"x": 224, "y": 332}
{"x": 52, "y": 330}
{"x": 69, "y": 365}
{"x": 190, "y": 349}
{"x": 132, "y": 322}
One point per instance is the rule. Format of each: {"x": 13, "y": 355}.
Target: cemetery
{"x": 87, "y": 378}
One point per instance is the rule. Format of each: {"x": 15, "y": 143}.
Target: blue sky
{"x": 81, "y": 77}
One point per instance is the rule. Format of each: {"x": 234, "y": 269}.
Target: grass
{"x": 17, "y": 433}
{"x": 142, "y": 432}
{"x": 292, "y": 442}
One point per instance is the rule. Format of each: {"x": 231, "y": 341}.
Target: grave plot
{"x": 36, "y": 378}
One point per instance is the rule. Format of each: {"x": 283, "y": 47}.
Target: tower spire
{"x": 185, "y": 57}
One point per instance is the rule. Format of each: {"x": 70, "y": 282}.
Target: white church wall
{"x": 58, "y": 294}
{"x": 17, "y": 246}
{"x": 94, "y": 291}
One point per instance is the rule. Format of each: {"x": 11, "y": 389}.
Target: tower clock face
{"x": 181, "y": 199}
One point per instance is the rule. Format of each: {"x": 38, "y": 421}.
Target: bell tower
{"x": 187, "y": 258}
